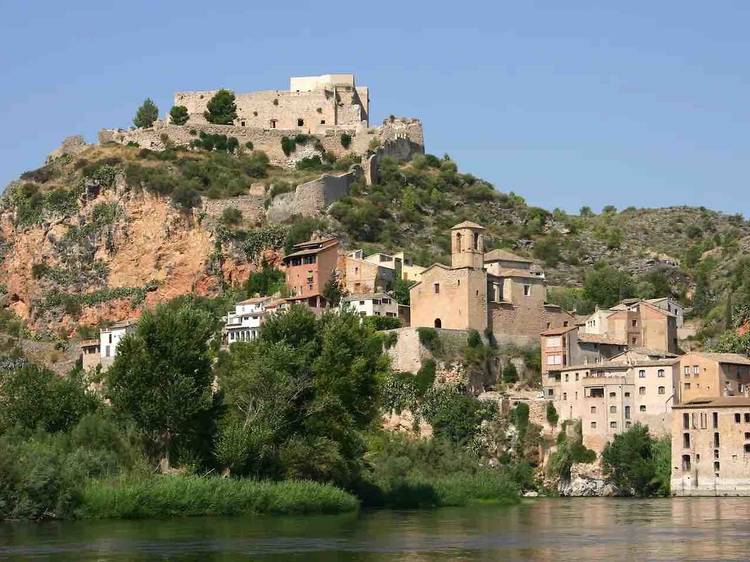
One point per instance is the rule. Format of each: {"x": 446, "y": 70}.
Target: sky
{"x": 565, "y": 103}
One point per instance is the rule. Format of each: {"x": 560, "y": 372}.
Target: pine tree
{"x": 146, "y": 114}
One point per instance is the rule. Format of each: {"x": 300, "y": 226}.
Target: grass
{"x": 185, "y": 496}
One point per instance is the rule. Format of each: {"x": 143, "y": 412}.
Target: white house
{"x": 375, "y": 304}
{"x": 109, "y": 339}
{"x": 244, "y": 323}
{"x": 596, "y": 322}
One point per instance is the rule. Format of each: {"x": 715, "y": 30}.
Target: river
{"x": 579, "y": 529}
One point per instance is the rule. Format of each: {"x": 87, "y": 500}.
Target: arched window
{"x": 476, "y": 240}
{"x": 458, "y": 241}
{"x": 438, "y": 323}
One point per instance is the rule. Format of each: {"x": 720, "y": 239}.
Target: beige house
{"x": 568, "y": 345}
{"x": 711, "y": 447}
{"x": 713, "y": 375}
{"x": 609, "y": 397}
{"x": 639, "y": 323}
{"x": 90, "y": 354}
{"x": 499, "y": 291}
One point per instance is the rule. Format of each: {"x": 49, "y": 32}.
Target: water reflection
{"x": 545, "y": 530}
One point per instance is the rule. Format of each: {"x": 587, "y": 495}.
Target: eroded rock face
{"x": 586, "y": 480}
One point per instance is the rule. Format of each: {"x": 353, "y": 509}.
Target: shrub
{"x": 634, "y": 462}
{"x": 219, "y": 143}
{"x": 185, "y": 198}
{"x": 474, "y": 339}
{"x": 146, "y": 114}
{"x": 425, "y": 377}
{"x": 346, "y": 140}
{"x": 231, "y": 216}
{"x": 288, "y": 145}
{"x": 221, "y": 109}
{"x": 249, "y": 145}
{"x": 312, "y": 163}
{"x": 552, "y": 415}
{"x": 178, "y": 115}
{"x": 429, "y": 338}
{"x": 379, "y": 323}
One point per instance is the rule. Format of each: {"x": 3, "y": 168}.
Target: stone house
{"x": 309, "y": 267}
{"x": 672, "y": 306}
{"x": 376, "y": 304}
{"x": 567, "y": 345}
{"x": 610, "y": 396}
{"x": 711, "y": 447}
{"x": 110, "y": 338}
{"x": 369, "y": 274}
{"x": 90, "y": 354}
{"x": 640, "y": 323}
{"x": 712, "y": 375}
{"x": 312, "y": 104}
{"x": 498, "y": 291}
{"x": 244, "y": 323}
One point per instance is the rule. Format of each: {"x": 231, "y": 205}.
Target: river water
{"x": 579, "y": 529}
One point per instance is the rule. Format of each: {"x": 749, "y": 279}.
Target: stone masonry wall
{"x": 311, "y": 198}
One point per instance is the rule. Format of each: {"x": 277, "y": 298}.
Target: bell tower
{"x": 467, "y": 245}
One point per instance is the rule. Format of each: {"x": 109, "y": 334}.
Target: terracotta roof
{"x": 731, "y": 358}
{"x": 718, "y": 402}
{"x": 468, "y": 224}
{"x": 498, "y": 254}
{"x": 596, "y": 338}
{"x": 311, "y": 247}
{"x": 558, "y": 331}
{"x": 254, "y": 300}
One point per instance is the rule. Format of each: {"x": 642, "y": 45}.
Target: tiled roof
{"x": 499, "y": 254}
{"x": 468, "y": 224}
{"x": 732, "y": 358}
{"x": 558, "y": 331}
{"x": 718, "y": 402}
{"x": 596, "y": 338}
{"x": 254, "y": 300}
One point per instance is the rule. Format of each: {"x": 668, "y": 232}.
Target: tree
{"x": 606, "y": 286}
{"x": 178, "y": 115}
{"x": 552, "y": 415}
{"x": 402, "y": 290}
{"x": 265, "y": 282}
{"x": 510, "y": 373}
{"x": 146, "y": 114}
{"x": 221, "y": 109}
{"x": 161, "y": 377}
{"x": 632, "y": 463}
{"x": 33, "y": 397}
{"x": 332, "y": 292}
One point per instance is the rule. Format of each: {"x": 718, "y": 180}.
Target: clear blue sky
{"x": 625, "y": 103}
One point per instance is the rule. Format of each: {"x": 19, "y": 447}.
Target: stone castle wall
{"x": 251, "y": 207}
{"x": 311, "y": 198}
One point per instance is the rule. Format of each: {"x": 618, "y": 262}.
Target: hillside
{"x": 92, "y": 237}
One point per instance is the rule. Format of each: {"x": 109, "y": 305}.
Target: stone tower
{"x": 467, "y": 246}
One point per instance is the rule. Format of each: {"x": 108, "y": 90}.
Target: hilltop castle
{"x": 312, "y": 104}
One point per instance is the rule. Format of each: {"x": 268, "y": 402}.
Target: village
{"x": 609, "y": 370}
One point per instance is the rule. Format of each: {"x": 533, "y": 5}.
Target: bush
{"x": 346, "y": 140}
{"x": 510, "y": 373}
{"x": 379, "y": 323}
{"x": 312, "y": 163}
{"x": 178, "y": 115}
{"x": 474, "y": 339}
{"x": 185, "y": 496}
{"x": 552, "y": 415}
{"x": 288, "y": 145}
{"x": 231, "y": 216}
{"x": 430, "y": 339}
{"x": 185, "y": 198}
{"x": 221, "y": 109}
{"x": 219, "y": 143}
{"x": 635, "y": 463}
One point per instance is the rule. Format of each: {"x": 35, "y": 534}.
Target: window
{"x": 273, "y": 121}
{"x": 627, "y": 412}
{"x": 747, "y": 418}
{"x": 687, "y": 370}
{"x": 747, "y": 435}
{"x": 300, "y": 122}
{"x": 716, "y": 466}
{"x": 662, "y": 390}
{"x": 660, "y": 373}
{"x": 554, "y": 342}
{"x": 747, "y": 447}
{"x": 438, "y": 323}
{"x": 737, "y": 418}
{"x": 458, "y": 242}
{"x": 597, "y": 393}
{"x": 613, "y": 424}
{"x": 716, "y": 440}
{"x": 687, "y": 386}
{"x": 612, "y": 394}
{"x": 642, "y": 374}
{"x": 593, "y": 425}
{"x": 566, "y": 377}
{"x": 554, "y": 360}
{"x": 696, "y": 370}
{"x": 715, "y": 416}
{"x": 716, "y": 454}
{"x": 593, "y": 409}
{"x": 550, "y": 392}
{"x": 613, "y": 409}
{"x": 685, "y": 462}
{"x": 565, "y": 395}
{"x": 641, "y": 390}
{"x": 576, "y": 376}
{"x": 634, "y": 323}
{"x": 627, "y": 424}
{"x": 476, "y": 240}
{"x": 704, "y": 420}
{"x": 322, "y": 121}
{"x": 634, "y": 340}
{"x": 526, "y": 290}
{"x": 642, "y": 408}
{"x": 627, "y": 395}
{"x": 685, "y": 440}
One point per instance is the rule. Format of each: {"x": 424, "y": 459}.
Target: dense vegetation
{"x": 637, "y": 464}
